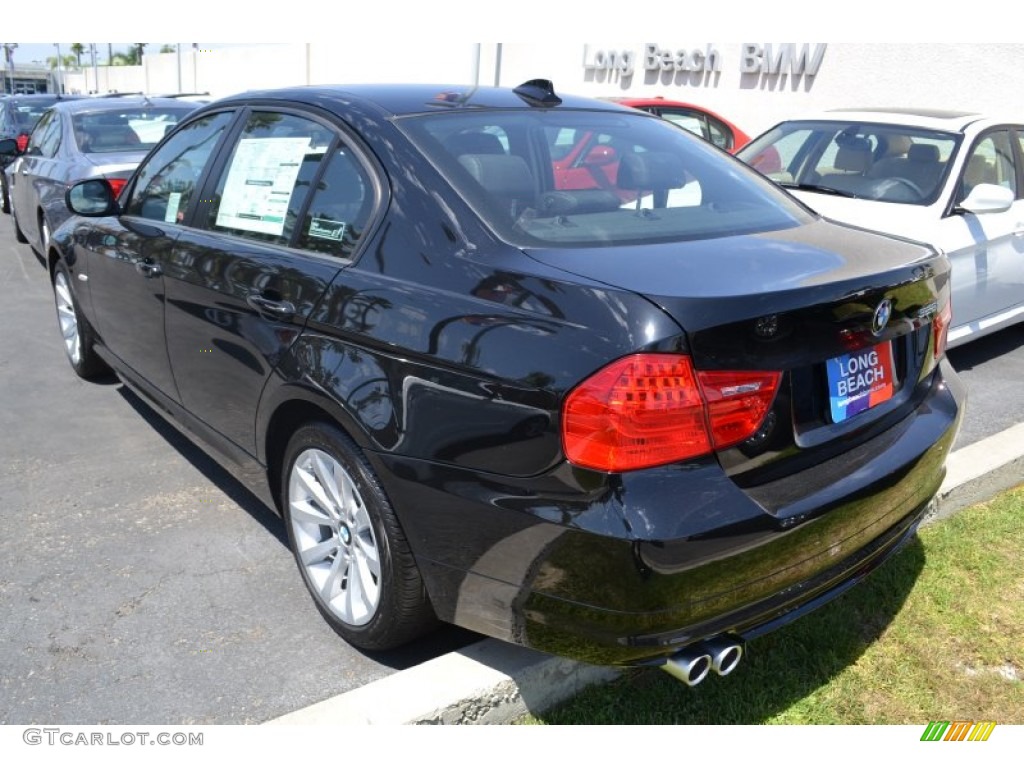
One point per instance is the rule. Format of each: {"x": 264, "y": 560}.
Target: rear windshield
{"x": 27, "y": 115}
{"x": 584, "y": 178}
{"x": 125, "y": 130}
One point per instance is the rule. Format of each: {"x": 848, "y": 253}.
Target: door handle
{"x": 148, "y": 269}
{"x": 279, "y": 309}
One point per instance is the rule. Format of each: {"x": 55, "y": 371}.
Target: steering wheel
{"x": 913, "y": 185}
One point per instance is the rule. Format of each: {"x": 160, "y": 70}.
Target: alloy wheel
{"x": 67, "y": 317}
{"x": 334, "y": 537}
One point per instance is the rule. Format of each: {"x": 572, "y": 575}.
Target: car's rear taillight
{"x": 940, "y": 329}
{"x": 650, "y": 409}
{"x": 22, "y": 141}
{"x": 117, "y": 185}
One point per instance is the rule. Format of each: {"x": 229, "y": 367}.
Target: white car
{"x": 951, "y": 179}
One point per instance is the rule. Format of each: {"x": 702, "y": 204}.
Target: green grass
{"x": 936, "y": 633}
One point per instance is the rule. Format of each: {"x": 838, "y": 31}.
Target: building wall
{"x": 977, "y": 76}
{"x": 941, "y": 75}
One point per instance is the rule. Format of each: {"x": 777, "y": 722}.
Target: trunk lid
{"x": 846, "y": 315}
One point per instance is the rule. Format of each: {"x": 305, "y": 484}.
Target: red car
{"x": 588, "y": 160}
{"x": 699, "y": 120}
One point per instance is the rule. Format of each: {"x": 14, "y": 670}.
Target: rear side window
{"x": 45, "y": 139}
{"x": 261, "y": 191}
{"x": 340, "y": 209}
{"x": 166, "y": 183}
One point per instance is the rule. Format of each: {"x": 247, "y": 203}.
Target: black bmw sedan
{"x": 636, "y": 407}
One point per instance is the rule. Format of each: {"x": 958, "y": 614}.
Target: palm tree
{"x": 78, "y": 49}
{"x": 165, "y": 48}
{"x": 132, "y": 57}
{"x": 65, "y": 61}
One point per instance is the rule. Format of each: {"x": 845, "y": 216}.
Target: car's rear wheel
{"x": 349, "y": 546}
{"x": 78, "y": 336}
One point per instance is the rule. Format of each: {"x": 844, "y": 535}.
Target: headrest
{"x": 650, "y": 171}
{"x": 897, "y": 144}
{"x": 501, "y": 175}
{"x": 474, "y": 143}
{"x": 853, "y": 155}
{"x": 112, "y": 137}
{"x": 562, "y": 202}
{"x": 923, "y": 153}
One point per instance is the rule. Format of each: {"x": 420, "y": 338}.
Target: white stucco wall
{"x": 983, "y": 76}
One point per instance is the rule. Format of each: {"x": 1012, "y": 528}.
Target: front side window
{"x": 166, "y": 183}
{"x": 578, "y": 177}
{"x": 261, "y": 191}
{"x": 990, "y": 162}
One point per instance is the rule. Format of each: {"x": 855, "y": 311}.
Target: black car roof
{"x": 397, "y": 100}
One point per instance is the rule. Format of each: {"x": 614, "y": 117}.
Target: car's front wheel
{"x": 347, "y": 541}
{"x": 75, "y": 330}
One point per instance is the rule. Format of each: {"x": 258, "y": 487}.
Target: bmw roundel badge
{"x": 881, "y": 319}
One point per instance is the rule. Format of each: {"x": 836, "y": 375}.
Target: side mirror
{"x": 987, "y": 198}
{"x": 9, "y": 147}
{"x": 94, "y": 198}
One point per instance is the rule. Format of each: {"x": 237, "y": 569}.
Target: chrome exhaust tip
{"x": 689, "y": 665}
{"x": 725, "y": 652}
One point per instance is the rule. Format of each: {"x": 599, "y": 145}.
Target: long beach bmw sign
{"x": 754, "y": 59}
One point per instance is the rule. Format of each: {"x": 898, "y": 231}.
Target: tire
{"x": 349, "y": 547}
{"x": 74, "y": 328}
{"x": 5, "y": 200}
{"x": 18, "y": 234}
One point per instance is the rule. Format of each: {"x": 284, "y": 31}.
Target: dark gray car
{"x": 18, "y": 116}
{"x": 74, "y": 140}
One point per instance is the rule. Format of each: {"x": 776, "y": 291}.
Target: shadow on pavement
{"x": 443, "y": 640}
{"x": 986, "y": 349}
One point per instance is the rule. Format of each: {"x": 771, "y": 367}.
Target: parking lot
{"x": 141, "y": 584}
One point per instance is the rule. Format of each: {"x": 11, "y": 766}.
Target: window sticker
{"x": 327, "y": 229}
{"x": 260, "y": 183}
{"x": 173, "y": 203}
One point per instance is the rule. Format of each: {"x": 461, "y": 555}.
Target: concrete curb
{"x": 495, "y": 682}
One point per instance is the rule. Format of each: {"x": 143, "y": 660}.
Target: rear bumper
{"x": 631, "y": 568}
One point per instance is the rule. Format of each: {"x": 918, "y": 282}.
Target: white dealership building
{"x": 754, "y": 84}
